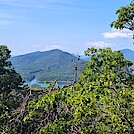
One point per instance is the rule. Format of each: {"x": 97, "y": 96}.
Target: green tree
{"x": 10, "y": 87}
{"x": 101, "y": 102}
{"x": 106, "y": 85}
{"x": 125, "y": 18}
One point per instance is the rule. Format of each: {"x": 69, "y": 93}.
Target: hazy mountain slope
{"x": 129, "y": 54}
{"x": 49, "y": 65}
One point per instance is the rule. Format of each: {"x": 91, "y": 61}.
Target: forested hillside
{"x": 49, "y": 65}
{"x": 52, "y": 65}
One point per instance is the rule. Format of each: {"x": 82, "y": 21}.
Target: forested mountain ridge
{"x": 52, "y": 65}
{"x": 49, "y": 65}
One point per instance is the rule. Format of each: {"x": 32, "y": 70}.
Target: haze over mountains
{"x": 52, "y": 65}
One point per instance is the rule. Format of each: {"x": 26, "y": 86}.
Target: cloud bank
{"x": 118, "y": 34}
{"x": 50, "y": 47}
{"x": 46, "y": 47}
{"x": 98, "y": 44}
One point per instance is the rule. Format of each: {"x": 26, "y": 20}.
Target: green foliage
{"x": 107, "y": 84}
{"x": 10, "y": 85}
{"x": 125, "y": 18}
{"x": 50, "y": 113}
{"x": 101, "y": 102}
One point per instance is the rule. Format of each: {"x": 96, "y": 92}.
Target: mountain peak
{"x": 48, "y": 65}
{"x": 54, "y": 50}
{"x": 128, "y": 54}
{"x": 127, "y": 50}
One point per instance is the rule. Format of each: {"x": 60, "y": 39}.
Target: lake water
{"x": 42, "y": 84}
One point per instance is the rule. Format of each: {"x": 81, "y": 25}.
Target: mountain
{"x": 128, "y": 54}
{"x": 53, "y": 65}
{"x": 49, "y": 65}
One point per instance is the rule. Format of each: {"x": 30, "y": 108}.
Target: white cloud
{"x": 108, "y": 35}
{"x": 118, "y": 34}
{"x": 40, "y": 47}
{"x": 50, "y": 47}
{"x": 98, "y": 44}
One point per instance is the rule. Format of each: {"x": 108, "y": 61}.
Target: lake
{"x": 42, "y": 84}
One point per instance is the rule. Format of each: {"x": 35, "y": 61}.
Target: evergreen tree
{"x": 10, "y": 87}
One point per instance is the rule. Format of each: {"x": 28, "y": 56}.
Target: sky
{"x": 70, "y": 25}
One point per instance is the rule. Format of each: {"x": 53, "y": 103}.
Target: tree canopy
{"x": 101, "y": 102}
{"x": 10, "y": 87}
{"x": 125, "y": 18}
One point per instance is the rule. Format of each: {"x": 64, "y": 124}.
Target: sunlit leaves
{"x": 125, "y": 18}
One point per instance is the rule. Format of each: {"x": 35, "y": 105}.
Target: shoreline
{"x": 46, "y": 83}
{"x": 53, "y": 81}
{"x": 38, "y": 81}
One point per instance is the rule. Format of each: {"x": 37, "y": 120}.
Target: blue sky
{"x": 70, "y": 25}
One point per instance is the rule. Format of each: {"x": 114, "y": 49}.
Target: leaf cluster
{"x": 125, "y": 18}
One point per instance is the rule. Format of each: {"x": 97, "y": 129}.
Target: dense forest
{"x": 100, "y": 102}
{"x": 47, "y": 66}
